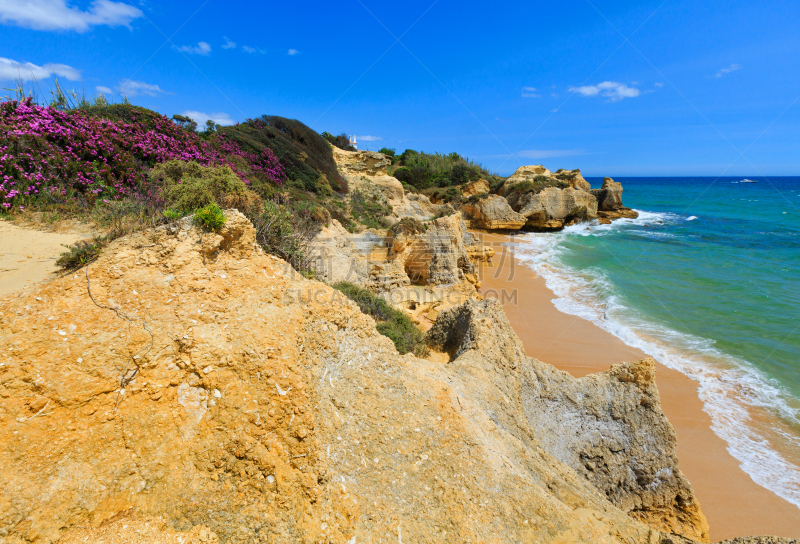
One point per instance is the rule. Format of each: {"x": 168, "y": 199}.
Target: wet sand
{"x": 732, "y": 502}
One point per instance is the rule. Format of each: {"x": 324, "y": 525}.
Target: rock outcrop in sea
{"x": 546, "y": 201}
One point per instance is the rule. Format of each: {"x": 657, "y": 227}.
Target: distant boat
{"x": 748, "y": 181}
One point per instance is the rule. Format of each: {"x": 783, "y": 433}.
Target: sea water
{"x": 707, "y": 281}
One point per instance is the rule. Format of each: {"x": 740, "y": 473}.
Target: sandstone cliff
{"x": 365, "y": 171}
{"x": 188, "y": 382}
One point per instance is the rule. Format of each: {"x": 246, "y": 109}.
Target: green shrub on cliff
{"x": 390, "y": 322}
{"x": 423, "y": 170}
{"x": 187, "y": 186}
{"x": 209, "y": 218}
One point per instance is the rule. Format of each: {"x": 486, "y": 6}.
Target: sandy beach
{"x": 732, "y": 502}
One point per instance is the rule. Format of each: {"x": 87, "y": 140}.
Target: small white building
{"x": 353, "y": 141}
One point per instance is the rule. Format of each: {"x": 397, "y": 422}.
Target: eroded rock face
{"x": 365, "y": 171}
{"x": 608, "y": 427}
{"x": 261, "y": 405}
{"x": 492, "y": 213}
{"x": 609, "y": 197}
{"x": 553, "y": 208}
{"x": 435, "y": 256}
{"x": 574, "y": 178}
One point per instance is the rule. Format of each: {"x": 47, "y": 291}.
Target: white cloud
{"x": 249, "y": 49}
{"x": 200, "y": 117}
{"x": 104, "y": 90}
{"x": 57, "y": 15}
{"x": 610, "y": 89}
{"x": 202, "y": 48}
{"x": 728, "y": 70}
{"x": 530, "y": 92}
{"x": 659, "y": 84}
{"x": 228, "y": 44}
{"x": 550, "y": 153}
{"x": 293, "y": 52}
{"x": 27, "y": 71}
{"x": 129, "y": 87}
{"x": 368, "y": 138}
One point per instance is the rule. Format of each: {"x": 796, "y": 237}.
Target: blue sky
{"x": 615, "y": 88}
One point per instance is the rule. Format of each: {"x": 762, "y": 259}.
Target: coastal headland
{"x": 282, "y": 340}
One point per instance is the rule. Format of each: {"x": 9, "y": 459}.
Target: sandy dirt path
{"x": 28, "y": 256}
{"x": 732, "y": 502}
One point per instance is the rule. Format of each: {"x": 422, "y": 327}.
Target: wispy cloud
{"x": 530, "y": 92}
{"x": 202, "y": 48}
{"x": 128, "y": 87}
{"x": 248, "y": 49}
{"x": 550, "y": 153}
{"x": 610, "y": 89}
{"x": 228, "y": 44}
{"x": 104, "y": 90}
{"x": 368, "y": 138}
{"x": 728, "y": 70}
{"x": 292, "y": 52}
{"x": 659, "y": 84}
{"x": 57, "y": 15}
{"x": 201, "y": 117}
{"x": 27, "y": 71}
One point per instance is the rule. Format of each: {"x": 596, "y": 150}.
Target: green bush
{"x": 407, "y": 226}
{"x": 306, "y": 155}
{"x": 416, "y": 176}
{"x": 389, "y": 152}
{"x": 186, "y": 186}
{"x": 437, "y": 169}
{"x": 209, "y": 218}
{"x": 342, "y": 141}
{"x": 391, "y": 323}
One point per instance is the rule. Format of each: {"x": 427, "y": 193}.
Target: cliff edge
{"x": 188, "y": 383}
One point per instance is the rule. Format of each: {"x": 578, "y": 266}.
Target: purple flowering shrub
{"x": 74, "y": 156}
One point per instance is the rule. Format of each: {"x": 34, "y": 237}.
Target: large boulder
{"x": 473, "y": 188}
{"x": 552, "y": 208}
{"x": 492, "y": 213}
{"x": 609, "y": 197}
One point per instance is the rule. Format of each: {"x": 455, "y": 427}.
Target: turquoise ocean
{"x": 706, "y": 280}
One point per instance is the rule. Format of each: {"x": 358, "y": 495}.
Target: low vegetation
{"x": 369, "y": 210}
{"x": 538, "y": 184}
{"x": 209, "y": 218}
{"x": 423, "y": 170}
{"x": 341, "y": 141}
{"x": 390, "y": 322}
